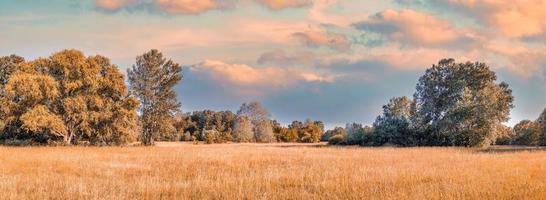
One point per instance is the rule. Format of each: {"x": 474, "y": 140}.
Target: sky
{"x": 337, "y": 61}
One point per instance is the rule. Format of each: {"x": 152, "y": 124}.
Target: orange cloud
{"x": 251, "y": 80}
{"x": 515, "y": 57}
{"x": 112, "y": 4}
{"x": 413, "y": 27}
{"x": 281, "y": 4}
{"x": 186, "y": 6}
{"x": 523, "y": 18}
{"x": 334, "y": 41}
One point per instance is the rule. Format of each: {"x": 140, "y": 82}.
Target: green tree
{"x": 461, "y": 103}
{"x": 527, "y": 132}
{"x": 541, "y": 123}
{"x": 152, "y": 80}
{"x": 330, "y": 133}
{"x": 394, "y": 125}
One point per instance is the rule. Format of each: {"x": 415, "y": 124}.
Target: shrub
{"x": 336, "y": 139}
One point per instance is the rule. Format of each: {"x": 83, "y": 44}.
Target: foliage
{"x": 336, "y": 139}
{"x": 394, "y": 125}
{"x": 330, "y": 133}
{"x": 67, "y": 97}
{"x": 526, "y": 132}
{"x": 504, "y": 134}
{"x": 460, "y": 103}
{"x": 259, "y": 118}
{"x": 152, "y": 80}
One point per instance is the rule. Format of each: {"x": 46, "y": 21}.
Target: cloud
{"x": 282, "y": 4}
{"x": 249, "y": 80}
{"x": 190, "y": 6}
{"x": 316, "y": 39}
{"x": 281, "y": 57}
{"x": 512, "y": 18}
{"x": 112, "y": 5}
{"x": 523, "y": 61}
{"x": 414, "y": 28}
{"x": 515, "y": 19}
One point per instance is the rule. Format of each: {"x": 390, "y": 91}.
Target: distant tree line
{"x": 455, "y": 104}
{"x": 69, "y": 98}
{"x": 251, "y": 123}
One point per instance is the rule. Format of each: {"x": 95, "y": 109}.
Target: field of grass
{"x": 269, "y": 171}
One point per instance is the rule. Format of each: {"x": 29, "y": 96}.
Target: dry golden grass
{"x": 280, "y": 171}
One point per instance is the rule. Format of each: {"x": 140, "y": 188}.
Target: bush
{"x": 336, "y": 139}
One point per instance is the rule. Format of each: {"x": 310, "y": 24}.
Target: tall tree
{"x": 152, "y": 80}
{"x": 461, "y": 103}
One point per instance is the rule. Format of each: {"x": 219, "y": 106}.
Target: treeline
{"x": 455, "y": 104}
{"x": 69, "y": 98}
{"x": 526, "y": 132}
{"x": 250, "y": 124}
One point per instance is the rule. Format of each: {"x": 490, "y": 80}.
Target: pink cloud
{"x": 282, "y": 4}
{"x": 112, "y": 5}
{"x": 413, "y": 27}
{"x": 519, "y": 59}
{"x": 246, "y": 79}
{"x": 187, "y": 6}
{"x": 333, "y": 41}
{"x": 523, "y": 18}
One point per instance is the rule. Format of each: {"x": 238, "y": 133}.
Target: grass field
{"x": 269, "y": 171}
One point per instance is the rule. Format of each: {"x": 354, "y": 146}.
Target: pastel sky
{"x": 333, "y": 60}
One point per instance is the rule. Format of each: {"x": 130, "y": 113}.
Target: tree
{"x": 330, "y": 133}
{"x": 152, "y": 80}
{"x": 393, "y": 126}
{"x": 259, "y": 116}
{"x": 263, "y": 132}
{"x": 356, "y": 134}
{"x": 311, "y": 132}
{"x": 505, "y": 135}
{"x": 461, "y": 103}
{"x": 69, "y": 96}
{"x": 29, "y": 111}
{"x": 287, "y": 135}
{"x": 541, "y": 122}
{"x": 243, "y": 130}
{"x": 526, "y": 132}
{"x": 8, "y": 65}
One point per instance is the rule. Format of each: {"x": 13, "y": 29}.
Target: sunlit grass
{"x": 262, "y": 171}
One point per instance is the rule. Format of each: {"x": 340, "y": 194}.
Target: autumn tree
{"x": 461, "y": 103}
{"x": 72, "y": 97}
{"x": 311, "y": 132}
{"x": 151, "y": 81}
{"x": 259, "y": 117}
{"x": 8, "y": 65}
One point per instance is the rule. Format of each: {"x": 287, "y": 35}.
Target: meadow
{"x": 270, "y": 171}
